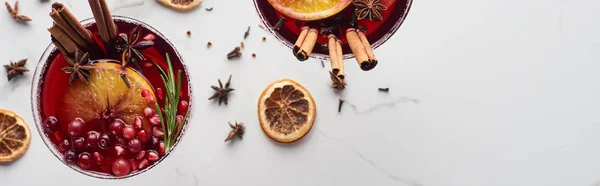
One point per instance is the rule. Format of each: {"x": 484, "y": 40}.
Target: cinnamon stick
{"x": 110, "y": 23}
{"x": 333, "y": 56}
{"x": 63, "y": 39}
{"x": 358, "y": 49}
{"x": 104, "y": 21}
{"x": 59, "y": 46}
{"x": 368, "y": 49}
{"x": 308, "y": 45}
{"x": 340, "y": 57}
{"x": 300, "y": 40}
{"x": 64, "y": 25}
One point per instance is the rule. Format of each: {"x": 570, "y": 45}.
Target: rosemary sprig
{"x": 168, "y": 119}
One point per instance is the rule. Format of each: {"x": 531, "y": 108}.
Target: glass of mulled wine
{"x": 377, "y": 32}
{"x": 106, "y": 128}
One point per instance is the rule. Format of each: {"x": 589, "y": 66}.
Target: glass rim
{"x": 36, "y": 88}
{"x": 290, "y": 44}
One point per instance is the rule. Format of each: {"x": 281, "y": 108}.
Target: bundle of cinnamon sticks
{"x": 68, "y": 35}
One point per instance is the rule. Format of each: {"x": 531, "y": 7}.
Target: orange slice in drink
{"x": 286, "y": 111}
{"x": 14, "y": 136}
{"x": 183, "y": 5}
{"x": 309, "y": 10}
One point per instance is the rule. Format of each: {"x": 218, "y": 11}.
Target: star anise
{"x": 338, "y": 84}
{"x": 129, "y": 45}
{"x": 222, "y": 92}
{"x": 15, "y": 12}
{"x": 79, "y": 67}
{"x": 236, "y": 130}
{"x": 13, "y": 69}
{"x": 369, "y": 9}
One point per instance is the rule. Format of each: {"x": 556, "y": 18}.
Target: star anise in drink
{"x": 222, "y": 92}
{"x": 79, "y": 67}
{"x": 369, "y": 9}
{"x": 15, "y": 12}
{"x": 338, "y": 83}
{"x": 129, "y": 45}
{"x": 13, "y": 69}
{"x": 237, "y": 129}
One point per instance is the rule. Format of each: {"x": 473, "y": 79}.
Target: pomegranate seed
{"x": 141, "y": 155}
{"x": 134, "y": 165}
{"x": 64, "y": 145}
{"x": 129, "y": 132}
{"x": 143, "y": 136}
{"x": 58, "y": 136}
{"x": 70, "y": 157}
{"x": 161, "y": 148}
{"x": 160, "y": 93}
{"x": 76, "y": 127}
{"x": 79, "y": 144}
{"x": 104, "y": 141}
{"x": 148, "y": 96}
{"x": 154, "y": 140}
{"x": 121, "y": 141}
{"x": 143, "y": 164}
{"x": 155, "y": 120}
{"x": 106, "y": 166}
{"x": 119, "y": 150}
{"x": 51, "y": 124}
{"x": 179, "y": 120}
{"x": 149, "y": 37}
{"x": 148, "y": 64}
{"x": 92, "y": 139}
{"x": 182, "y": 107}
{"x": 135, "y": 146}
{"x": 158, "y": 132}
{"x": 98, "y": 157}
{"x": 84, "y": 161}
{"x": 152, "y": 156}
{"x": 116, "y": 127}
{"x": 137, "y": 124}
{"x": 149, "y": 112}
{"x": 121, "y": 167}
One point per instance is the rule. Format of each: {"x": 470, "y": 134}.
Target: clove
{"x": 235, "y": 53}
{"x": 340, "y": 105}
{"x": 384, "y": 89}
{"x": 279, "y": 23}
{"x": 247, "y": 32}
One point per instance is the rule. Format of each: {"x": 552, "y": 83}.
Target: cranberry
{"x": 121, "y": 167}
{"x": 149, "y": 37}
{"x": 70, "y": 157}
{"x": 51, "y": 124}
{"x": 160, "y": 93}
{"x": 161, "y": 148}
{"x": 141, "y": 155}
{"x": 98, "y": 157}
{"x": 119, "y": 150}
{"x": 116, "y": 127}
{"x": 129, "y": 132}
{"x": 152, "y": 156}
{"x": 137, "y": 124}
{"x": 182, "y": 107}
{"x": 158, "y": 132}
{"x": 104, "y": 141}
{"x": 134, "y": 165}
{"x": 143, "y": 164}
{"x": 149, "y": 112}
{"x": 92, "y": 139}
{"x": 79, "y": 144}
{"x": 84, "y": 161}
{"x": 135, "y": 146}
{"x": 64, "y": 145}
{"x": 143, "y": 136}
{"x": 121, "y": 141}
{"x": 155, "y": 120}
{"x": 154, "y": 140}
{"x": 76, "y": 127}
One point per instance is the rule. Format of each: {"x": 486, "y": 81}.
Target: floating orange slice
{"x": 286, "y": 111}
{"x": 183, "y": 5}
{"x": 309, "y": 10}
{"x": 14, "y": 136}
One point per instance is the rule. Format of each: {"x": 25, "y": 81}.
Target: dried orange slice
{"x": 183, "y": 5}
{"x": 14, "y": 136}
{"x": 286, "y": 111}
{"x": 309, "y": 10}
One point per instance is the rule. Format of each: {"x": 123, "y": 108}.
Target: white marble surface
{"x": 508, "y": 94}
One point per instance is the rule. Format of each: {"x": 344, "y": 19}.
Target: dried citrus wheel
{"x": 286, "y": 111}
{"x": 309, "y": 10}
{"x": 107, "y": 96}
{"x": 182, "y": 5}
{"x": 14, "y": 136}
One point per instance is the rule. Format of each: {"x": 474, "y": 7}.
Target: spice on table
{"x": 340, "y": 105}
{"x": 247, "y": 32}
{"x": 209, "y": 44}
{"x": 253, "y": 55}
{"x": 237, "y": 129}
{"x": 15, "y": 12}
{"x": 264, "y": 39}
{"x": 338, "y": 84}
{"x": 242, "y": 44}
{"x": 209, "y": 9}
{"x": 189, "y": 33}
{"x": 13, "y": 69}
{"x": 222, "y": 92}
{"x": 384, "y": 89}
{"x": 235, "y": 53}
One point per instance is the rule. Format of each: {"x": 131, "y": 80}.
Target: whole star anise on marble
{"x": 129, "y": 45}
{"x": 13, "y": 69}
{"x": 15, "y": 12}
{"x": 79, "y": 67}
{"x": 369, "y": 9}
{"x": 338, "y": 84}
{"x": 237, "y": 129}
{"x": 222, "y": 92}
